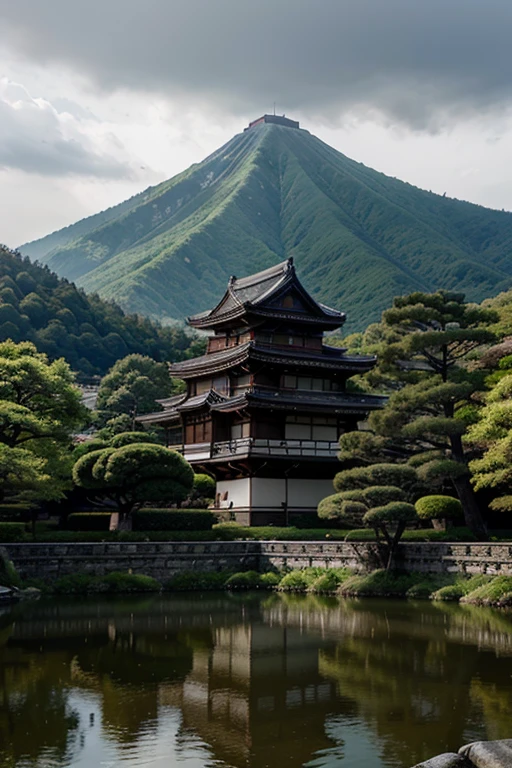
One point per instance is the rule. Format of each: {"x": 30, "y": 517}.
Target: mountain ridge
{"x": 358, "y": 236}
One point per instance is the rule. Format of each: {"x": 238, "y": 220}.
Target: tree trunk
{"x": 382, "y": 547}
{"x": 465, "y": 492}
{"x": 393, "y": 545}
{"x": 472, "y": 515}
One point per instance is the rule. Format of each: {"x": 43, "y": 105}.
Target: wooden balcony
{"x": 252, "y": 446}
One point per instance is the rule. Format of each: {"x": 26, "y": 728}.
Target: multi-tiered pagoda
{"x": 266, "y": 404}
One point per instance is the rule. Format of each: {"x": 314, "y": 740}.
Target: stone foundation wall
{"x": 158, "y": 559}
{"x": 163, "y": 559}
{"x": 427, "y": 557}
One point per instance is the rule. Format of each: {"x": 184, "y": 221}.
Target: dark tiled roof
{"x": 330, "y": 358}
{"x": 216, "y": 361}
{"x": 211, "y": 397}
{"x": 250, "y": 294}
{"x": 169, "y": 402}
{"x": 304, "y": 400}
{"x": 159, "y": 417}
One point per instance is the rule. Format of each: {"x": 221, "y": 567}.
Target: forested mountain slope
{"x": 37, "y": 306}
{"x": 359, "y": 237}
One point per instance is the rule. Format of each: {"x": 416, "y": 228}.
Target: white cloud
{"x": 36, "y": 137}
{"x": 92, "y": 111}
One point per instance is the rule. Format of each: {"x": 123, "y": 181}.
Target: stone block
{"x": 489, "y": 754}
{"x": 447, "y": 760}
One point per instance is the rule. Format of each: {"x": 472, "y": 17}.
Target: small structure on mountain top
{"x": 275, "y": 119}
{"x": 266, "y": 404}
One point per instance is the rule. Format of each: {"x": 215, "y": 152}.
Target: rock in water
{"x": 489, "y": 754}
{"x": 446, "y": 760}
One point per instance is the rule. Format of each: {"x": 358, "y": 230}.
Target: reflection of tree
{"x": 35, "y": 716}
{"x": 414, "y": 694}
{"x": 256, "y": 680}
{"x": 496, "y": 703}
{"x": 127, "y": 672}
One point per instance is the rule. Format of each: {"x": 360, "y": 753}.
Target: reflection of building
{"x": 257, "y": 696}
{"x": 253, "y": 682}
{"x": 265, "y": 406}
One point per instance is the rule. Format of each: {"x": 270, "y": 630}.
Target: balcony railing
{"x": 253, "y": 446}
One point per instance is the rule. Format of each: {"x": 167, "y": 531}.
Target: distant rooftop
{"x": 276, "y": 119}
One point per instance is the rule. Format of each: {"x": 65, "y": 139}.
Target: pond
{"x": 265, "y": 681}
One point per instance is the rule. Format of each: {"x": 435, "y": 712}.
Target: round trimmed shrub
{"x": 438, "y": 508}
{"x": 394, "y": 512}
{"x": 244, "y": 580}
{"x": 128, "y": 438}
{"x": 204, "y": 486}
{"x": 347, "y": 507}
{"x": 12, "y": 532}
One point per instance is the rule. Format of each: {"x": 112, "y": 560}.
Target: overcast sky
{"x": 103, "y": 98}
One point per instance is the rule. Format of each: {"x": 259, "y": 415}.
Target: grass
{"x": 329, "y": 580}
{"x": 481, "y": 590}
{"x": 48, "y": 532}
{"x": 299, "y": 580}
{"x": 460, "y": 588}
{"x": 113, "y": 583}
{"x": 391, "y": 584}
{"x": 497, "y": 591}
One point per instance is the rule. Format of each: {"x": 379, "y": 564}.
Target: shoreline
{"x": 480, "y": 590}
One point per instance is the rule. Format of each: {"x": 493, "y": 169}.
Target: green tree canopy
{"x": 39, "y": 408}
{"x": 133, "y": 386}
{"x": 135, "y": 473}
{"x": 378, "y": 495}
{"x": 423, "y": 342}
{"x": 492, "y": 434}
{"x": 91, "y": 334}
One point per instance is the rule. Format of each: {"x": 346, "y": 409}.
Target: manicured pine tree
{"x": 423, "y": 342}
{"x": 131, "y": 473}
{"x": 379, "y": 496}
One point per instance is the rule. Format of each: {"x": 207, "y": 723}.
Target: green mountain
{"x": 359, "y": 237}
{"x": 37, "y": 306}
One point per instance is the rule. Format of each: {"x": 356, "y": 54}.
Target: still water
{"x": 204, "y": 681}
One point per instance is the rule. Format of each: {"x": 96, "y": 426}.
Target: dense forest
{"x": 359, "y": 238}
{"x": 90, "y": 333}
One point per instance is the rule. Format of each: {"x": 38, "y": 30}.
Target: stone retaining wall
{"x": 158, "y": 559}
{"x": 163, "y": 559}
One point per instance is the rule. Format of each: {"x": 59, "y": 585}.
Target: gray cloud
{"x": 421, "y": 62}
{"x": 36, "y": 138}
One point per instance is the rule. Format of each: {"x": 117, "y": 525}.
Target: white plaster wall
{"x": 267, "y": 491}
{"x": 238, "y": 492}
{"x": 307, "y": 493}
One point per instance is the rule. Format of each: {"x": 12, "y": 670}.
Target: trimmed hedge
{"x": 438, "y": 507}
{"x": 12, "y": 532}
{"x": 89, "y": 521}
{"x": 172, "y": 520}
{"x": 15, "y": 512}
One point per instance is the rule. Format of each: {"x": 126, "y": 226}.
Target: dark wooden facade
{"x": 265, "y": 405}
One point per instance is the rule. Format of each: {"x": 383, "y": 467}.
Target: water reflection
{"x": 263, "y": 682}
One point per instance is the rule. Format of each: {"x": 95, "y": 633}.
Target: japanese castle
{"x": 265, "y": 406}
